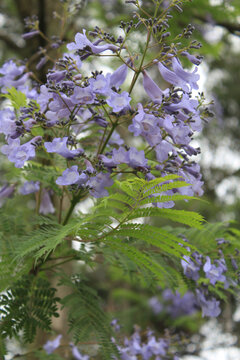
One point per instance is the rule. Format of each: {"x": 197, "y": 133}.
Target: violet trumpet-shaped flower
{"x": 213, "y": 272}
{"x": 100, "y": 85}
{"x": 151, "y": 88}
{"x": 44, "y": 97}
{"x": 7, "y": 122}
{"x": 98, "y": 183}
{"x": 29, "y": 187}
{"x": 59, "y": 146}
{"x": 162, "y": 150}
{"x": 136, "y": 158}
{"x": 209, "y": 307}
{"x": 146, "y": 125}
{"x": 119, "y": 101}
{"x": 56, "y": 75}
{"x": 116, "y": 139}
{"x": 119, "y": 76}
{"x": 171, "y": 77}
{"x": 6, "y": 192}
{"x": 77, "y": 355}
{"x": 71, "y": 176}
{"x": 50, "y": 346}
{"x": 20, "y": 153}
{"x": 189, "y": 78}
{"x": 82, "y": 95}
{"x": 12, "y": 76}
{"x": 190, "y": 268}
{"x": 81, "y": 42}
{"x": 46, "y": 205}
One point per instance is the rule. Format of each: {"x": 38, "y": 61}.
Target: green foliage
{"x": 87, "y": 319}
{"x": 28, "y": 305}
{"x": 140, "y": 249}
{"x": 16, "y": 97}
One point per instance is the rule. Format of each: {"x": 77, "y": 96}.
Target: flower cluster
{"x": 196, "y": 267}
{"x": 133, "y": 347}
{"x": 52, "y": 345}
{"x": 78, "y": 118}
{"x": 151, "y": 348}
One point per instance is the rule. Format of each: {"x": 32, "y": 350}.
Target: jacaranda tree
{"x": 99, "y": 130}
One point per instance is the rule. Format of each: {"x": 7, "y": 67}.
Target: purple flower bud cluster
{"x": 72, "y": 108}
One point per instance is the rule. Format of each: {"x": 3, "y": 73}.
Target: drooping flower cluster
{"x": 78, "y": 117}
{"x": 133, "y": 348}
{"x": 195, "y": 266}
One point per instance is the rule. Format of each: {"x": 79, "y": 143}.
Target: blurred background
{"x": 217, "y": 27}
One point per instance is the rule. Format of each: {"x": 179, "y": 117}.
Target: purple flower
{"x": 120, "y": 156}
{"x": 62, "y": 105}
{"x": 5, "y": 192}
{"x": 119, "y": 101}
{"x": 13, "y": 76}
{"x": 108, "y": 162}
{"x": 20, "y": 153}
{"x": 189, "y": 78}
{"x": 162, "y": 150}
{"x": 157, "y": 347}
{"x": 155, "y": 305}
{"x": 209, "y": 307}
{"x": 71, "y": 176}
{"x": 185, "y": 305}
{"x": 82, "y": 95}
{"x": 119, "y": 76}
{"x": 50, "y": 346}
{"x": 11, "y": 70}
{"x": 98, "y": 183}
{"x": 115, "y": 139}
{"x": 213, "y": 272}
{"x": 180, "y": 134}
{"x": 100, "y": 85}
{"x": 44, "y": 97}
{"x": 46, "y": 205}
{"x": 59, "y": 146}
{"x": 89, "y": 168}
{"x": 146, "y": 125}
{"x": 77, "y": 355}
{"x": 56, "y": 75}
{"x": 29, "y": 187}
{"x": 81, "y": 42}
{"x": 152, "y": 89}
{"x": 190, "y": 268}
{"x": 136, "y": 158}
{"x": 171, "y": 77}
{"x": 7, "y": 122}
